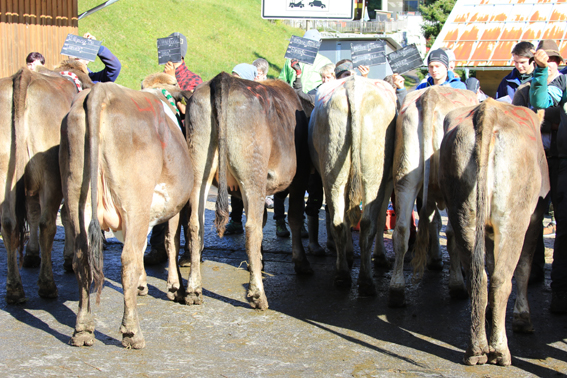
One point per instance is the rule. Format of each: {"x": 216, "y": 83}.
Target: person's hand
{"x": 364, "y": 70}
{"x": 540, "y": 58}
{"x": 89, "y": 36}
{"x": 169, "y": 69}
{"x": 399, "y": 81}
{"x": 296, "y": 67}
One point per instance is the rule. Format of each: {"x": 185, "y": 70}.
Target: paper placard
{"x": 405, "y": 59}
{"x": 82, "y": 48}
{"x": 169, "y": 50}
{"x": 368, "y": 53}
{"x": 303, "y": 49}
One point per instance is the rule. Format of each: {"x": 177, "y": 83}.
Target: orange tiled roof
{"x": 483, "y": 32}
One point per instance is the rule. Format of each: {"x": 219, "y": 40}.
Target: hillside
{"x": 220, "y": 34}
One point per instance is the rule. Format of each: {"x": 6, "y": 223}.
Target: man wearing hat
{"x": 439, "y": 74}
{"x": 186, "y": 79}
{"x": 310, "y": 76}
{"x": 549, "y": 88}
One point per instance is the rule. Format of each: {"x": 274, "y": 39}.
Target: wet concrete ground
{"x": 310, "y": 330}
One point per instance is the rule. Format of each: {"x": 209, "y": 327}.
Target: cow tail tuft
{"x": 483, "y": 132}
{"x": 220, "y": 85}
{"x": 354, "y": 191}
{"x": 18, "y": 160}
{"x": 95, "y": 103}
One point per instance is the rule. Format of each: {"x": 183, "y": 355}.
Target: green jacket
{"x": 310, "y": 77}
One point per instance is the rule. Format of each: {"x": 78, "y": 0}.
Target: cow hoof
{"x": 258, "y": 300}
{"x": 31, "y": 260}
{"x": 175, "y": 293}
{"x": 343, "y": 280}
{"x": 315, "y": 249}
{"x": 396, "y": 298}
{"x": 436, "y": 265}
{"x": 48, "y": 291}
{"x": 83, "y": 338}
{"x": 303, "y": 267}
{"x": 382, "y": 262}
{"x": 142, "y": 290}
{"x": 15, "y": 294}
{"x": 472, "y": 360}
{"x": 458, "y": 292}
{"x": 502, "y": 358}
{"x": 195, "y": 298}
{"x": 366, "y": 289}
{"x": 68, "y": 264}
{"x": 522, "y": 323}
{"x": 133, "y": 340}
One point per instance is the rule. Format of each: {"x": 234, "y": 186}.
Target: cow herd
{"x": 120, "y": 161}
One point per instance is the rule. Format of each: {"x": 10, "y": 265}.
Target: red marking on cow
{"x": 408, "y": 105}
{"x": 460, "y": 118}
{"x": 387, "y": 88}
{"x": 265, "y": 101}
{"x": 451, "y": 97}
{"x": 524, "y": 121}
{"x": 150, "y": 107}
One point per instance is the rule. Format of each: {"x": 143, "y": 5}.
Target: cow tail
{"x": 95, "y": 103}
{"x": 422, "y": 241}
{"x": 354, "y": 190}
{"x": 18, "y": 160}
{"x": 483, "y": 134}
{"x": 221, "y": 88}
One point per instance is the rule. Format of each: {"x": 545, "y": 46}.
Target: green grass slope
{"x": 220, "y": 34}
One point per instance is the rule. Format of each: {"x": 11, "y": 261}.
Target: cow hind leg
{"x": 32, "y": 258}
{"x": 83, "y": 334}
{"x": 434, "y": 258}
{"x": 457, "y": 288}
{"x": 68, "y": 250}
{"x": 48, "y": 227}
{"x": 175, "y": 289}
{"x": 14, "y": 288}
{"x": 368, "y": 228}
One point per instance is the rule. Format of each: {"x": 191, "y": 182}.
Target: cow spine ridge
{"x": 355, "y": 176}
{"x": 95, "y": 103}
{"x": 221, "y": 85}
{"x": 483, "y": 136}
{"x": 18, "y": 160}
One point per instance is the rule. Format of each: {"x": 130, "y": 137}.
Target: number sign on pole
{"x": 368, "y": 53}
{"x": 79, "y": 47}
{"x": 405, "y": 59}
{"x": 303, "y": 49}
{"x": 169, "y": 50}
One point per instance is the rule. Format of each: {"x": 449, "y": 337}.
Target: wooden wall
{"x": 34, "y": 25}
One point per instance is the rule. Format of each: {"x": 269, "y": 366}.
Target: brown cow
{"x": 419, "y": 132}
{"x": 123, "y": 154}
{"x": 33, "y": 105}
{"x": 492, "y": 173}
{"x": 254, "y": 137}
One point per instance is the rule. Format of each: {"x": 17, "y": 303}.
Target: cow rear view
{"x": 493, "y": 174}
{"x": 352, "y": 134}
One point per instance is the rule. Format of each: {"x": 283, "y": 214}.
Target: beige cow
{"x": 493, "y": 175}
{"x": 351, "y": 135}
{"x": 122, "y": 154}
{"x": 32, "y": 106}
{"x": 419, "y": 131}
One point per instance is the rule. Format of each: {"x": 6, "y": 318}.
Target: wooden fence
{"x": 34, "y": 25}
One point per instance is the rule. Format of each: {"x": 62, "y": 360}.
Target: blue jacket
{"x": 452, "y": 81}
{"x": 509, "y": 85}
{"x": 111, "y": 69}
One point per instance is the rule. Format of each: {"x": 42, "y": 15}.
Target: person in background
{"x": 345, "y": 68}
{"x": 186, "y": 79}
{"x": 523, "y": 68}
{"x": 111, "y": 63}
{"x": 397, "y": 81}
{"x": 34, "y": 59}
{"x": 262, "y": 66}
{"x": 548, "y": 89}
{"x": 439, "y": 74}
{"x": 310, "y": 77}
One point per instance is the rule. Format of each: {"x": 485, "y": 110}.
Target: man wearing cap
{"x": 439, "y": 74}
{"x": 549, "y": 88}
{"x": 310, "y": 77}
{"x": 186, "y": 79}
{"x": 522, "y": 72}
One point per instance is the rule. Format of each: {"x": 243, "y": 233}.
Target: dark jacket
{"x": 451, "y": 81}
{"x": 186, "y": 79}
{"x": 111, "y": 69}
{"x": 509, "y": 85}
